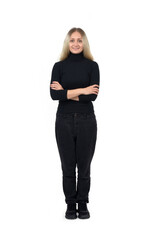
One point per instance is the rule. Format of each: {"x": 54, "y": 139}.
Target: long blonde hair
{"x": 86, "y": 47}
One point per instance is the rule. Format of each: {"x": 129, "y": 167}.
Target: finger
{"x": 57, "y": 84}
{"x": 53, "y": 87}
{"x": 95, "y": 91}
{"x": 97, "y": 88}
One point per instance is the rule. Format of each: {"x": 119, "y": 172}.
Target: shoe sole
{"x": 69, "y": 217}
{"x": 84, "y": 217}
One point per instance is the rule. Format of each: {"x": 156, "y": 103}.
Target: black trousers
{"x": 76, "y": 135}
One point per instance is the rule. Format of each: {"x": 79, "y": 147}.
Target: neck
{"x": 75, "y": 56}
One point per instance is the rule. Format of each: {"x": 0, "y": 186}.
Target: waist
{"x": 75, "y": 107}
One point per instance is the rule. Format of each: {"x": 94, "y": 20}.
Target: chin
{"x": 74, "y": 51}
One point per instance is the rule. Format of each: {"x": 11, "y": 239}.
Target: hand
{"x": 75, "y": 98}
{"x": 56, "y": 86}
{"x": 93, "y": 89}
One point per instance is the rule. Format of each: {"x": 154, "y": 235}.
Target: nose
{"x": 76, "y": 43}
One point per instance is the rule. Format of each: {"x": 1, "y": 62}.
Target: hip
{"x": 76, "y": 115}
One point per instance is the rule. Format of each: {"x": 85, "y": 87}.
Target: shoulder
{"x": 92, "y": 63}
{"x": 57, "y": 65}
{"x": 60, "y": 63}
{"x": 95, "y": 64}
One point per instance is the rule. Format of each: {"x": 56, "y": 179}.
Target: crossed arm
{"x": 79, "y": 94}
{"x": 74, "y": 93}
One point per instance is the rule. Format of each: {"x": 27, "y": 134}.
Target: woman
{"x": 75, "y": 83}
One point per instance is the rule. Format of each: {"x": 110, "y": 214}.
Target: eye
{"x": 80, "y": 40}
{"x": 71, "y": 40}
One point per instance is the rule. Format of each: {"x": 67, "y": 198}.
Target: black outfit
{"x": 76, "y": 124}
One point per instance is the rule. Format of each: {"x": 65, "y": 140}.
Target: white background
{"x": 124, "y": 38}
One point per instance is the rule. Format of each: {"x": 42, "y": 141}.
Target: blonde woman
{"x": 75, "y": 84}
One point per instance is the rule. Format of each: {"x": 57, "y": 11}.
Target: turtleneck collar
{"x": 75, "y": 56}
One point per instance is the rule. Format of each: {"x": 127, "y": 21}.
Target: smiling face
{"x": 76, "y": 43}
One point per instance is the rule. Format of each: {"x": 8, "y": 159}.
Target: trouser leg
{"x": 85, "y": 148}
{"x": 66, "y": 146}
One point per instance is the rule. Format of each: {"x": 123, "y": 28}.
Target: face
{"x": 76, "y": 43}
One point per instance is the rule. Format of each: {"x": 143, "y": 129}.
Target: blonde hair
{"x": 86, "y": 47}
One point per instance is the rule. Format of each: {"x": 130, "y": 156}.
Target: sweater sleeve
{"x": 94, "y": 79}
{"x": 55, "y": 76}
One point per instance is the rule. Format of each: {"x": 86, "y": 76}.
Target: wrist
{"x": 82, "y": 91}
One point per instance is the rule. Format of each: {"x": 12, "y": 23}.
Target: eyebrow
{"x": 77, "y": 38}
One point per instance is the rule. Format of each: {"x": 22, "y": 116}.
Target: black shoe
{"x": 71, "y": 212}
{"x": 83, "y": 212}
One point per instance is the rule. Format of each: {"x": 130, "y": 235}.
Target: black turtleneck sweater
{"x": 75, "y": 71}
